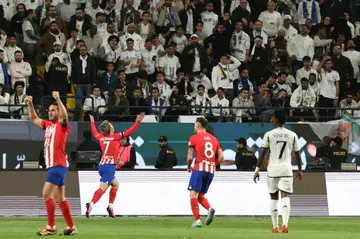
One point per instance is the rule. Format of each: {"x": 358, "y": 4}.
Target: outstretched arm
{"x": 32, "y": 113}
{"x": 132, "y": 129}
{"x": 93, "y": 128}
{"x": 62, "y": 109}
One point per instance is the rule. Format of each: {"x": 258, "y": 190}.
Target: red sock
{"x": 113, "y": 192}
{"x": 204, "y": 202}
{"x": 65, "y": 209}
{"x": 195, "y": 208}
{"x": 50, "y": 210}
{"x": 97, "y": 195}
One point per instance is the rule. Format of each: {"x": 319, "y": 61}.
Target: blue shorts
{"x": 200, "y": 181}
{"x": 107, "y": 173}
{"x": 57, "y": 175}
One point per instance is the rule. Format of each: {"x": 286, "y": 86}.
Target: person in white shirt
{"x": 169, "y": 64}
{"x": 281, "y": 82}
{"x": 3, "y": 38}
{"x": 19, "y": 70}
{"x": 95, "y": 99}
{"x": 303, "y": 99}
{"x": 101, "y": 25}
{"x": 11, "y": 48}
{"x": 221, "y": 103}
{"x": 110, "y": 31}
{"x": 111, "y": 52}
{"x": 63, "y": 57}
{"x": 240, "y": 43}
{"x": 9, "y": 7}
{"x": 145, "y": 28}
{"x": 349, "y": 103}
{"x": 149, "y": 55}
{"x": 92, "y": 8}
{"x": 258, "y": 32}
{"x": 201, "y": 79}
{"x": 271, "y": 20}
{"x": 131, "y": 60}
{"x": 290, "y": 31}
{"x": 354, "y": 57}
{"x": 71, "y": 42}
{"x": 180, "y": 39}
{"x": 221, "y": 75}
{"x": 4, "y": 100}
{"x": 66, "y": 10}
{"x": 30, "y": 4}
{"x": 18, "y": 110}
{"x": 209, "y": 18}
{"x": 281, "y": 142}
{"x": 164, "y": 89}
{"x": 329, "y": 90}
{"x": 308, "y": 9}
{"x": 200, "y": 103}
{"x": 305, "y": 71}
{"x": 138, "y": 41}
{"x": 300, "y": 46}
{"x": 243, "y": 100}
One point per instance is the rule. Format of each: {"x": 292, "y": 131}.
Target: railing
{"x": 11, "y": 115}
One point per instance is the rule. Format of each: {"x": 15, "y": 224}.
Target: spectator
{"x": 113, "y": 12}
{"x": 281, "y": 82}
{"x": 290, "y": 31}
{"x": 243, "y": 82}
{"x": 201, "y": 79}
{"x": 72, "y": 41}
{"x": 300, "y": 46}
{"x": 137, "y": 103}
{"x": 162, "y": 86}
{"x": 194, "y": 57}
{"x": 109, "y": 81}
{"x": 243, "y": 107}
{"x": 95, "y": 105}
{"x": 209, "y": 18}
{"x": 142, "y": 82}
{"x": 221, "y": 105}
{"x": 329, "y": 91}
{"x": 92, "y": 9}
{"x": 17, "y": 108}
{"x": 218, "y": 44}
{"x": 167, "y": 157}
{"x": 129, "y": 15}
{"x": 42, "y": 10}
{"x": 305, "y": 71}
{"x": 309, "y": 10}
{"x": 241, "y": 13}
{"x": 199, "y": 32}
{"x": 244, "y": 158}
{"x": 149, "y": 60}
{"x": 88, "y": 144}
{"x": 348, "y": 103}
{"x": 259, "y": 57}
{"x": 80, "y": 21}
{"x": 168, "y": 15}
{"x": 221, "y": 75}
{"x": 145, "y": 28}
{"x": 177, "y": 105}
{"x": 324, "y": 149}
{"x": 19, "y": 71}
{"x": 240, "y": 43}
{"x": 189, "y": 17}
{"x": 280, "y": 43}
{"x": 322, "y": 46}
{"x": 11, "y": 48}
{"x": 31, "y": 35}
{"x": 7, "y": 11}
{"x": 261, "y": 101}
{"x": 110, "y": 52}
{"x": 16, "y": 23}
{"x": 304, "y": 99}
{"x": 156, "y": 104}
{"x": 47, "y": 41}
{"x": 281, "y": 101}
{"x": 66, "y": 10}
{"x": 100, "y": 24}
{"x": 185, "y": 87}
{"x": 343, "y": 66}
{"x": 4, "y": 101}
{"x": 354, "y": 57}
{"x": 313, "y": 84}
{"x": 271, "y": 20}
{"x": 83, "y": 77}
{"x": 169, "y": 65}
{"x": 4, "y": 76}
{"x": 259, "y": 32}
{"x": 180, "y": 39}
{"x": 127, "y": 155}
{"x": 53, "y": 16}
{"x": 200, "y": 103}
{"x": 138, "y": 42}
{"x": 110, "y": 31}
{"x": 93, "y": 41}
{"x": 117, "y": 106}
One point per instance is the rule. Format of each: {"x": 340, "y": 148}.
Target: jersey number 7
{"x": 282, "y": 147}
{"x": 107, "y": 144}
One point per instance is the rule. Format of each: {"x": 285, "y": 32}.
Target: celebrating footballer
{"x": 281, "y": 142}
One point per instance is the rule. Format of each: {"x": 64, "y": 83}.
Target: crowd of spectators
{"x": 229, "y": 60}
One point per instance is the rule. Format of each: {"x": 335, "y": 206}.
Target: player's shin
{"x": 285, "y": 210}
{"x": 195, "y": 208}
{"x": 204, "y": 202}
{"x": 274, "y": 213}
{"x": 65, "y": 209}
{"x": 97, "y": 195}
{"x": 112, "y": 196}
{"x": 50, "y": 210}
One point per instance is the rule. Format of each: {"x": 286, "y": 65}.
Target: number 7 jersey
{"x": 281, "y": 142}
{"x": 206, "y": 147}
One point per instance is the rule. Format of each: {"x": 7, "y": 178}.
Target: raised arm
{"x": 132, "y": 129}
{"x": 93, "y": 127}
{"x": 32, "y": 113}
{"x": 62, "y": 109}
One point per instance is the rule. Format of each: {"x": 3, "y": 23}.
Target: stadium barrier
{"x": 163, "y": 193}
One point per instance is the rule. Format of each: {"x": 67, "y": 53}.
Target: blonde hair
{"x": 105, "y": 127}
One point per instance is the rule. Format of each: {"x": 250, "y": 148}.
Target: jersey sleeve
{"x": 45, "y": 124}
{"x": 94, "y": 131}
{"x": 64, "y": 127}
{"x": 266, "y": 141}
{"x": 192, "y": 141}
{"x": 296, "y": 146}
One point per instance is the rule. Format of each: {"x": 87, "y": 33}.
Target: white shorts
{"x": 284, "y": 184}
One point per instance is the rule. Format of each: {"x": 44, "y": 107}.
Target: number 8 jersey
{"x": 281, "y": 142}
{"x": 206, "y": 147}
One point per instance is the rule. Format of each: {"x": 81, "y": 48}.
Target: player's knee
{"x": 194, "y": 194}
{"x": 274, "y": 196}
{"x": 115, "y": 184}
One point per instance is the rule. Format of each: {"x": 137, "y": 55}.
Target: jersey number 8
{"x": 209, "y": 150}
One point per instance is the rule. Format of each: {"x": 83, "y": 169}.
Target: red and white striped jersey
{"x": 55, "y": 143}
{"x": 110, "y": 144}
{"x": 206, "y": 147}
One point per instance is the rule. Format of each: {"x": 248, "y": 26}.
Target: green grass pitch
{"x": 179, "y": 228}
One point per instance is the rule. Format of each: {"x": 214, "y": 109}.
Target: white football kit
{"x": 281, "y": 142}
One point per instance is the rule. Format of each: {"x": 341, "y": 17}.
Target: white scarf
{"x": 84, "y": 64}
{"x": 57, "y": 37}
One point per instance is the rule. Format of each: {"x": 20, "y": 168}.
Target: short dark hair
{"x": 95, "y": 87}
{"x": 155, "y": 88}
{"x": 282, "y": 73}
{"x": 79, "y": 8}
{"x": 304, "y": 79}
{"x": 129, "y": 40}
{"x": 160, "y": 73}
{"x": 312, "y": 74}
{"x": 243, "y": 89}
{"x": 145, "y": 12}
{"x": 137, "y": 88}
{"x": 200, "y": 86}
{"x": 200, "y": 22}
{"x": 306, "y": 58}
{"x": 18, "y": 51}
{"x": 1, "y": 50}
{"x": 202, "y": 121}
{"x": 280, "y": 116}
{"x": 87, "y": 134}
{"x": 54, "y": 104}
